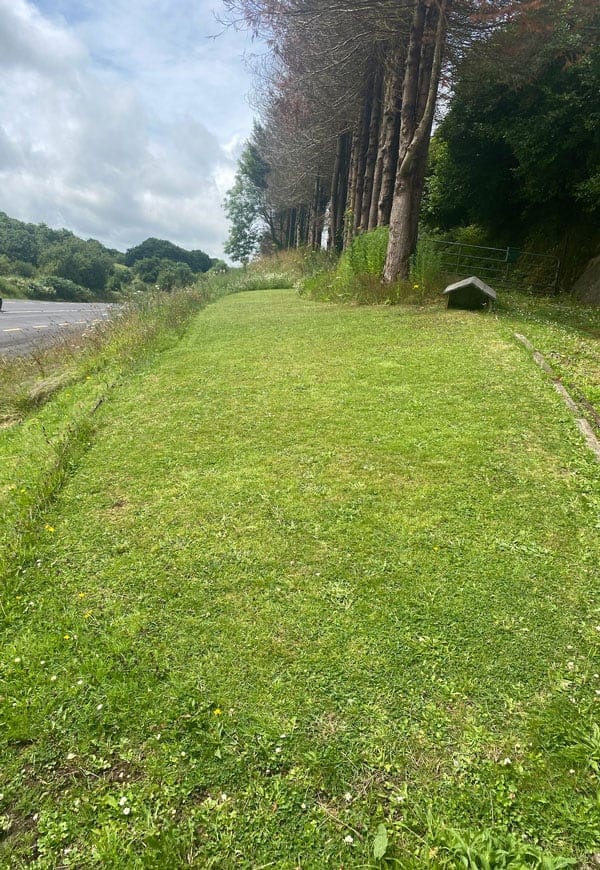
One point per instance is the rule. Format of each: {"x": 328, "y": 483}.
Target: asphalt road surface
{"x": 26, "y": 324}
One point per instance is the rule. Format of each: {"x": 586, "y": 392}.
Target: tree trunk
{"x": 372, "y": 149}
{"x": 363, "y": 144}
{"x": 339, "y": 192}
{"x": 419, "y": 93}
{"x": 351, "y": 196}
{"x": 383, "y": 193}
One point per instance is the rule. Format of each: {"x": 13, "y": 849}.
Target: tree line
{"x": 56, "y": 264}
{"x": 347, "y": 98}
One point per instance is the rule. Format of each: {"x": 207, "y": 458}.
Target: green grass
{"x": 318, "y": 570}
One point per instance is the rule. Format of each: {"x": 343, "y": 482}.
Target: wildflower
{"x": 87, "y": 614}
{"x": 506, "y": 762}
{"x": 99, "y": 707}
{"x": 81, "y": 594}
{"x": 415, "y": 286}
{"x": 122, "y": 801}
{"x": 70, "y": 756}
{"x": 349, "y": 839}
{"x": 17, "y": 660}
{"x": 278, "y": 748}
{"x": 348, "y": 797}
{"x": 80, "y": 682}
{"x": 49, "y": 528}
{"x": 66, "y": 636}
{"x": 126, "y": 811}
{"x": 217, "y": 711}
{"x": 53, "y": 678}
{"x": 303, "y": 806}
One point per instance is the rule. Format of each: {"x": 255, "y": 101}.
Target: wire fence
{"x": 500, "y": 265}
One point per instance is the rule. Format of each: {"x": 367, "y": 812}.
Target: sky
{"x": 122, "y": 119}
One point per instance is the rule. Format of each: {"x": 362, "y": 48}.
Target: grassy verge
{"x": 50, "y": 396}
{"x": 325, "y": 596}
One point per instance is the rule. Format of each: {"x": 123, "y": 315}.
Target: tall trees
{"x": 347, "y": 99}
{"x": 519, "y": 151}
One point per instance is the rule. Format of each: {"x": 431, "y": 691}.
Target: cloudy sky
{"x": 121, "y": 119}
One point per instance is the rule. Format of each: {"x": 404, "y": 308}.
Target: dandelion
{"x": 81, "y": 594}
{"x": 87, "y": 614}
{"x": 217, "y": 711}
{"x": 349, "y": 839}
{"x": 49, "y": 528}
{"x": 66, "y": 637}
{"x": 415, "y": 286}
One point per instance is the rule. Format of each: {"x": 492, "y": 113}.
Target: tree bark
{"x": 362, "y": 143}
{"x": 381, "y": 205}
{"x": 372, "y": 149}
{"x": 419, "y": 94}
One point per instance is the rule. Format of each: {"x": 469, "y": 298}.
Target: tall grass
{"x": 357, "y": 276}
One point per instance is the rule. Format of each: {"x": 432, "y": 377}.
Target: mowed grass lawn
{"x": 321, "y": 570}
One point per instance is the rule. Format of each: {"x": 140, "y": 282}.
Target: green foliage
{"x": 518, "y": 154}
{"x": 86, "y": 263}
{"x": 242, "y": 207}
{"x": 160, "y": 249}
{"x": 173, "y": 275}
{"x": 486, "y": 850}
{"x": 53, "y": 288}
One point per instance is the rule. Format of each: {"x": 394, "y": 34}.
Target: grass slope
{"x": 323, "y": 569}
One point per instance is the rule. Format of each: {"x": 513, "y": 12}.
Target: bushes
{"x": 53, "y": 289}
{"x": 357, "y": 276}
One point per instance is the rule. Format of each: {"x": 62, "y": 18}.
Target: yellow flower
{"x": 81, "y": 594}
{"x": 87, "y": 614}
{"x": 49, "y": 528}
{"x": 415, "y": 286}
{"x": 67, "y": 636}
{"x": 217, "y": 711}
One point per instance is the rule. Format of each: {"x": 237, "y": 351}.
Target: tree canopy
{"x": 162, "y": 249}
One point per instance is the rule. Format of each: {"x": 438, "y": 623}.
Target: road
{"x": 25, "y": 324}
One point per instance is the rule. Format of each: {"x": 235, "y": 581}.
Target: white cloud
{"x": 119, "y": 121}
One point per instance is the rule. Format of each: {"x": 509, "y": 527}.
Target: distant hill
{"x": 44, "y": 263}
{"x": 198, "y": 261}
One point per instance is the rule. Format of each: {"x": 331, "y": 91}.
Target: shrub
{"x": 53, "y": 288}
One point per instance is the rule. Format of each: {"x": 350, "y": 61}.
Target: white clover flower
{"x": 122, "y": 801}
{"x": 348, "y": 839}
{"x": 126, "y": 811}
{"x": 100, "y": 706}
{"x": 347, "y": 797}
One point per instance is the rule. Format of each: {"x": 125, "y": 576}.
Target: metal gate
{"x": 499, "y": 265}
